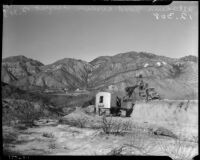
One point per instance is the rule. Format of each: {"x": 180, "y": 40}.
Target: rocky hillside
{"x": 172, "y": 78}
{"x": 17, "y": 67}
{"x": 65, "y": 73}
{"x": 190, "y": 58}
{"x": 6, "y": 76}
{"x": 13, "y": 98}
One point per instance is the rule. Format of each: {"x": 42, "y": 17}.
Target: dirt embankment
{"x": 177, "y": 115}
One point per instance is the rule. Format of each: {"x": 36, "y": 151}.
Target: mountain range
{"x": 173, "y": 78}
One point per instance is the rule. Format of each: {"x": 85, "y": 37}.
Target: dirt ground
{"x": 64, "y": 139}
{"x": 81, "y": 133}
{"x": 176, "y": 115}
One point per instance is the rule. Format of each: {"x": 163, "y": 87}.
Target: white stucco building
{"x": 103, "y": 99}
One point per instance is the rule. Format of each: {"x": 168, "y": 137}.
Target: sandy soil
{"x": 67, "y": 140}
{"x": 53, "y": 138}
{"x": 176, "y": 115}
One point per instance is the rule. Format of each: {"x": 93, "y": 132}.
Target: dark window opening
{"x": 101, "y": 99}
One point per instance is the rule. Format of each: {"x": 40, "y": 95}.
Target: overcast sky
{"x": 50, "y": 33}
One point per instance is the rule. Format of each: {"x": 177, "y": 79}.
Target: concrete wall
{"x": 176, "y": 115}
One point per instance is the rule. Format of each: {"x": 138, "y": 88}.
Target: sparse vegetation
{"x": 116, "y": 151}
{"x": 28, "y": 114}
{"x": 107, "y": 124}
{"x": 116, "y": 127}
{"x": 140, "y": 142}
{"x": 48, "y": 135}
{"x": 80, "y": 122}
{"x": 195, "y": 139}
{"x": 12, "y": 92}
{"x": 52, "y": 145}
{"x": 59, "y": 101}
{"x": 137, "y": 141}
{"x": 178, "y": 149}
{"x": 23, "y": 111}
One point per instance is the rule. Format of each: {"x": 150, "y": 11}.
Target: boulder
{"x": 164, "y": 132}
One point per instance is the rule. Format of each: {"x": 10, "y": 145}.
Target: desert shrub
{"x": 52, "y": 145}
{"x": 138, "y": 141}
{"x": 120, "y": 128}
{"x": 28, "y": 114}
{"x": 178, "y": 149}
{"x": 116, "y": 151}
{"x": 107, "y": 125}
{"x": 180, "y": 105}
{"x": 80, "y": 122}
{"x": 116, "y": 127}
{"x": 24, "y": 112}
{"x": 9, "y": 91}
{"x": 48, "y": 135}
{"x": 195, "y": 139}
{"x": 60, "y": 120}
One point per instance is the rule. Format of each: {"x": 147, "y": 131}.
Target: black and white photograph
{"x": 93, "y": 80}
